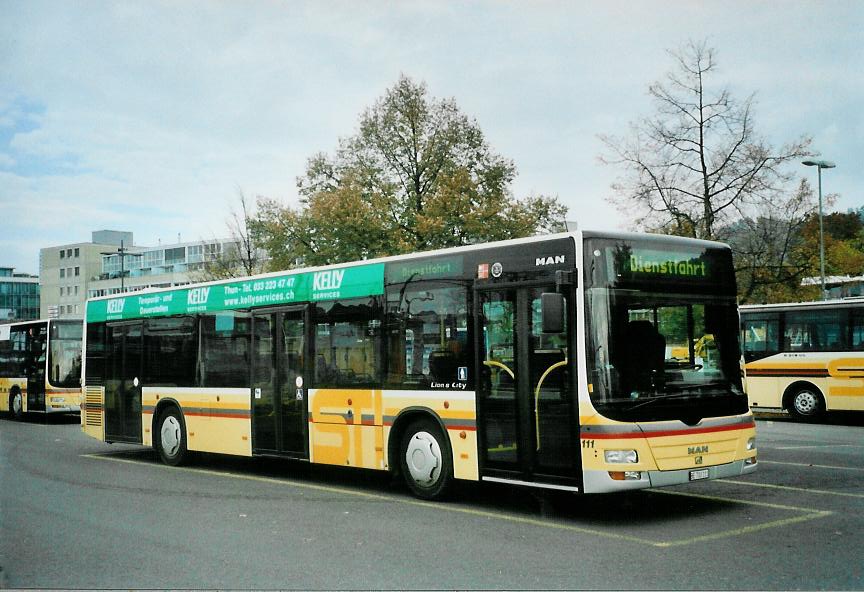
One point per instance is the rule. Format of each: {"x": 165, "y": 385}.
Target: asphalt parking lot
{"x": 77, "y": 513}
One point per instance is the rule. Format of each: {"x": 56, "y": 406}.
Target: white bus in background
{"x": 806, "y": 358}
{"x": 40, "y": 367}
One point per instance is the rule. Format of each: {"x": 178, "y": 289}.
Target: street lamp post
{"x": 122, "y": 251}
{"x": 821, "y": 164}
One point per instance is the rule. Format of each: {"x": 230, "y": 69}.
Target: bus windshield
{"x": 64, "y": 359}
{"x": 662, "y": 332}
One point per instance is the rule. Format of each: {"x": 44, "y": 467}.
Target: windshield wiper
{"x": 655, "y": 398}
{"x": 691, "y": 391}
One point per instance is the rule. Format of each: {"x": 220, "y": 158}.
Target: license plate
{"x": 700, "y": 474}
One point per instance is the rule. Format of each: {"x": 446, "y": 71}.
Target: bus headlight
{"x": 751, "y": 444}
{"x": 621, "y": 456}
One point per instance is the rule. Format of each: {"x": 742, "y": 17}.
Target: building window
{"x": 62, "y": 272}
{"x": 76, "y": 290}
{"x": 68, "y": 253}
{"x": 77, "y": 252}
{"x": 77, "y": 271}
{"x": 62, "y": 253}
{"x": 176, "y": 255}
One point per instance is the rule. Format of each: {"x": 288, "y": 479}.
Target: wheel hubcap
{"x": 170, "y": 434}
{"x": 805, "y": 403}
{"x": 424, "y": 460}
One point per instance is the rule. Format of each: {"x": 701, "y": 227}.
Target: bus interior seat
{"x": 645, "y": 355}
{"x": 442, "y": 365}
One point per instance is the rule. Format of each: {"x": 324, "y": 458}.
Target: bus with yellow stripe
{"x": 40, "y": 367}
{"x": 805, "y": 358}
{"x": 569, "y": 361}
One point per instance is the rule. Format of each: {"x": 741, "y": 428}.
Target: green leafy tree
{"x": 843, "y": 235}
{"x": 767, "y": 250}
{"x": 418, "y": 174}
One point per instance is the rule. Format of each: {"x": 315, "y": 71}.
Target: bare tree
{"x": 241, "y": 256}
{"x": 767, "y": 250}
{"x": 697, "y": 164}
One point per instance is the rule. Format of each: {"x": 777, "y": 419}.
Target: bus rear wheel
{"x": 806, "y": 403}
{"x": 171, "y": 437}
{"x": 16, "y": 404}
{"x": 425, "y": 460}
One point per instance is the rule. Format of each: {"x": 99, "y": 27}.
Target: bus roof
{"x": 357, "y": 279}
{"x": 853, "y": 301}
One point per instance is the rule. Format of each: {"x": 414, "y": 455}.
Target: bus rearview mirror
{"x": 552, "y": 309}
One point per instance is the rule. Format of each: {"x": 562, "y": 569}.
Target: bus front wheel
{"x": 171, "y": 437}
{"x": 425, "y": 460}
{"x": 16, "y": 404}
{"x": 806, "y": 403}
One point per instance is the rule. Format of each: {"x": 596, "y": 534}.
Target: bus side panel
{"x": 345, "y": 427}
{"x": 92, "y": 412}
{"x": 763, "y": 391}
{"x": 839, "y": 377}
{"x": 350, "y": 427}
{"x": 846, "y": 383}
{"x": 6, "y": 385}
{"x": 457, "y": 410}
{"x": 217, "y": 419}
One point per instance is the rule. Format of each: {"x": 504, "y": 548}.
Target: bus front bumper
{"x": 602, "y": 481}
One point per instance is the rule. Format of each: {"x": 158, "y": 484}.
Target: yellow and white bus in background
{"x": 40, "y": 367}
{"x": 542, "y": 362}
{"x": 806, "y": 358}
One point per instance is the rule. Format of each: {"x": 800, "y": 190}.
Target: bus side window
{"x": 857, "y": 330}
{"x": 760, "y": 338}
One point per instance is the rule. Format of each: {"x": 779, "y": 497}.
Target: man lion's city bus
{"x": 806, "y": 358}
{"x": 40, "y": 367}
{"x": 584, "y": 362}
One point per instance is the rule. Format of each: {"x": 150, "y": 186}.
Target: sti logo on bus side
{"x": 540, "y": 261}
{"x": 116, "y": 306}
{"x": 197, "y": 296}
{"x": 328, "y": 280}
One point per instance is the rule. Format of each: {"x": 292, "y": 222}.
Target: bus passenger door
{"x": 122, "y": 383}
{"x": 527, "y": 410}
{"x": 279, "y": 422}
{"x": 36, "y": 354}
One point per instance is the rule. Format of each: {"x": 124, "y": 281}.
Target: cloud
{"x": 148, "y": 116}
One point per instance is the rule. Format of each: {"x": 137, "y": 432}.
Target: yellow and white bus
{"x": 542, "y": 362}
{"x": 40, "y": 367}
{"x": 805, "y": 358}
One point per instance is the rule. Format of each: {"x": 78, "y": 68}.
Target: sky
{"x": 152, "y": 116}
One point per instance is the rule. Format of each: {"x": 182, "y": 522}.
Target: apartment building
{"x": 66, "y": 271}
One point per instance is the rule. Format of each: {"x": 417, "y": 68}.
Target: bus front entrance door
{"x": 528, "y": 426}
{"x": 122, "y": 383}
{"x": 279, "y": 422}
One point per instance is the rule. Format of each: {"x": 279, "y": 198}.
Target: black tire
{"x": 16, "y": 404}
{"x": 425, "y": 460}
{"x": 806, "y": 403}
{"x": 169, "y": 437}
